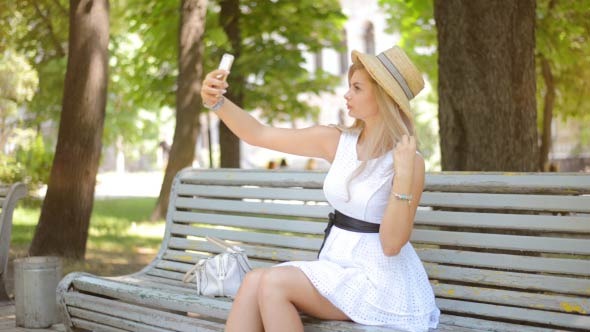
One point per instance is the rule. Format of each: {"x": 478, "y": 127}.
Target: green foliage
{"x": 31, "y": 162}
{"x": 414, "y": 21}
{"x": 563, "y": 38}
{"x": 18, "y": 82}
{"x": 274, "y": 36}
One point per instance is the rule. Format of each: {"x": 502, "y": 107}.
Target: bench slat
{"x": 275, "y": 224}
{"x": 547, "y": 203}
{"x": 254, "y": 178}
{"x": 253, "y": 251}
{"x": 160, "y": 299}
{"x": 574, "y": 224}
{"x": 122, "y": 323}
{"x": 503, "y": 261}
{"x": 149, "y": 316}
{"x": 295, "y": 210}
{"x": 554, "y": 183}
{"x": 92, "y": 326}
{"x": 518, "y": 314}
{"x": 250, "y": 237}
{"x": 501, "y": 241}
{"x": 251, "y": 192}
{"x": 564, "y": 304}
{"x": 486, "y": 325}
{"x": 527, "y": 281}
{"x": 477, "y": 240}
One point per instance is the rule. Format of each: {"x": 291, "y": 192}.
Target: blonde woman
{"x": 367, "y": 271}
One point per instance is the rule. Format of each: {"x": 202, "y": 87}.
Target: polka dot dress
{"x": 352, "y": 271}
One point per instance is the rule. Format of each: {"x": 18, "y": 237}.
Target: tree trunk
{"x": 229, "y": 144}
{"x": 188, "y": 98}
{"x": 65, "y": 214}
{"x": 487, "y": 106}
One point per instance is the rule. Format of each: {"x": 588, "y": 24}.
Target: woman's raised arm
{"x": 316, "y": 141}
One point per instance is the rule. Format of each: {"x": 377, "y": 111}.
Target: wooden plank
{"x": 579, "y": 267}
{"x": 547, "y": 223}
{"x": 253, "y": 251}
{"x": 297, "y": 194}
{"x": 565, "y": 304}
{"x": 274, "y": 224}
{"x": 487, "y": 325}
{"x": 275, "y": 178}
{"x": 149, "y": 297}
{"x": 554, "y": 183}
{"x": 525, "y": 281}
{"x": 148, "y": 316}
{"x": 116, "y": 322}
{"x": 286, "y": 241}
{"x": 542, "y": 203}
{"x": 258, "y": 208}
{"x": 555, "y": 319}
{"x": 92, "y": 326}
{"x": 501, "y": 241}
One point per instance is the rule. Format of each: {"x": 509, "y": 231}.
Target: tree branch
{"x": 53, "y": 37}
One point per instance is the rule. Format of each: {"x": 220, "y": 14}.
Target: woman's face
{"x": 361, "y": 100}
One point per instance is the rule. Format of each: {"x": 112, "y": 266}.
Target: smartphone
{"x": 226, "y": 61}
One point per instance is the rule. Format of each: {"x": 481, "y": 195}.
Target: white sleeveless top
{"x": 352, "y": 272}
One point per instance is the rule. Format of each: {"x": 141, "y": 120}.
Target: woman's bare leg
{"x": 285, "y": 290}
{"x": 244, "y": 314}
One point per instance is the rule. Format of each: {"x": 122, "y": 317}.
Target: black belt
{"x": 345, "y": 222}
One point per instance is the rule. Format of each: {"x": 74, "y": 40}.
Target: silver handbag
{"x": 222, "y": 274}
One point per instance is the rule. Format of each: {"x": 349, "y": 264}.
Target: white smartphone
{"x": 226, "y": 61}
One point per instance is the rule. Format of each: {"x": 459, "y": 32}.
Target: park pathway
{"x": 8, "y": 321}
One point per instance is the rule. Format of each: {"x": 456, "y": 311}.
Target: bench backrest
{"x": 9, "y": 195}
{"x": 510, "y": 247}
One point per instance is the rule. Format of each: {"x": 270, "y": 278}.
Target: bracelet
{"x": 216, "y": 106}
{"x": 402, "y": 197}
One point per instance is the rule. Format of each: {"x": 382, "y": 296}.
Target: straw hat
{"x": 395, "y": 73}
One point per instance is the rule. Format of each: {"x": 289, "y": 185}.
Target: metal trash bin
{"x": 35, "y": 283}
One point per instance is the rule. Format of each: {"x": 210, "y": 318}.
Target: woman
{"x": 367, "y": 271}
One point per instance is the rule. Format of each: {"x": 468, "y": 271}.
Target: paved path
{"x": 8, "y": 321}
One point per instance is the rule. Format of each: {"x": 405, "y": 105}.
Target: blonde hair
{"x": 395, "y": 123}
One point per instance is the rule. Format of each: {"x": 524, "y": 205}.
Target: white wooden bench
{"x": 9, "y": 195}
{"x": 504, "y": 252}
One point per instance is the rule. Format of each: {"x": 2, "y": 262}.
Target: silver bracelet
{"x": 402, "y": 197}
{"x": 216, "y": 106}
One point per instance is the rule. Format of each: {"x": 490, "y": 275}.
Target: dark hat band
{"x": 396, "y": 74}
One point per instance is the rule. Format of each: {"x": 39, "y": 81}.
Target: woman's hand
{"x": 214, "y": 87}
{"x": 403, "y": 158}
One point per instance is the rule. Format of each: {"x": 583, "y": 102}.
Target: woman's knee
{"x": 272, "y": 284}
{"x": 250, "y": 284}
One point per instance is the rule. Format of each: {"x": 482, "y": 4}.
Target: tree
{"x": 561, "y": 55}
{"x": 229, "y": 20}
{"x": 269, "y": 46}
{"x": 65, "y": 214}
{"x": 487, "y": 107}
{"x": 188, "y": 98}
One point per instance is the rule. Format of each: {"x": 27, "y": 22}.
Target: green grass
{"x": 121, "y": 237}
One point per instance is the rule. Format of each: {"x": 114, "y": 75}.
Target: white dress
{"x": 352, "y": 272}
